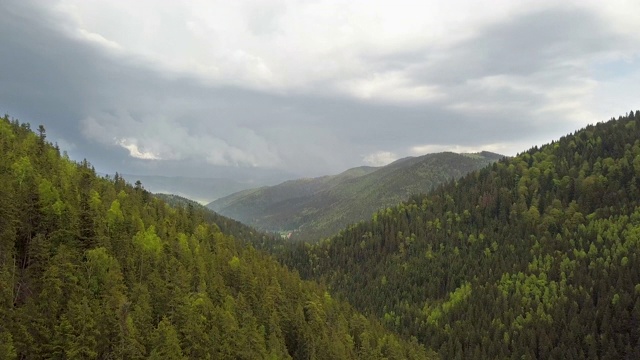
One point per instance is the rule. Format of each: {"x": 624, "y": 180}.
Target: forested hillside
{"x": 93, "y": 268}
{"x": 536, "y": 256}
{"x": 228, "y": 226}
{"x": 320, "y": 207}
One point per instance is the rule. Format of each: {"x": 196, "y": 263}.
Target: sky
{"x": 308, "y": 88}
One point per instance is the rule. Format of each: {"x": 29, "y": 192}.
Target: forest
{"x": 96, "y": 268}
{"x": 535, "y": 256}
{"x": 532, "y": 257}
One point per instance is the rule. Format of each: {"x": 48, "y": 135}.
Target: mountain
{"x": 203, "y": 190}
{"x": 536, "y": 256}
{"x": 321, "y": 206}
{"x": 94, "y": 268}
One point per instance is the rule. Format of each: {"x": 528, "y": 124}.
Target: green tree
{"x": 165, "y": 342}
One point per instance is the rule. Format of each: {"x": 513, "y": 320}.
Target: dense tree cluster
{"x": 536, "y": 256}
{"x": 241, "y": 232}
{"x": 94, "y": 268}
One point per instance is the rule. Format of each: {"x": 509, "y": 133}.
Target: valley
{"x": 319, "y": 180}
{"x": 532, "y": 256}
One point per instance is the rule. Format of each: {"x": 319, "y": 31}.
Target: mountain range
{"x": 318, "y": 207}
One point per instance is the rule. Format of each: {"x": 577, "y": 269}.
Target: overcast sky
{"x": 202, "y": 88}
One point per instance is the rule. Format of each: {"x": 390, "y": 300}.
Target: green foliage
{"x": 226, "y": 225}
{"x": 165, "y": 342}
{"x": 94, "y": 268}
{"x": 536, "y": 256}
{"x": 7, "y": 350}
{"x": 148, "y": 241}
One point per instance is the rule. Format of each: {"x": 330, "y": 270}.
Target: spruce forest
{"x": 94, "y": 268}
{"x": 532, "y": 257}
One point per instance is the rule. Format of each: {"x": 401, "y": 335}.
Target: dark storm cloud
{"x": 88, "y": 97}
{"x": 121, "y": 112}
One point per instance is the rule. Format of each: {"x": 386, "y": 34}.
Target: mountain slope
{"x": 321, "y": 206}
{"x": 93, "y": 268}
{"x": 227, "y": 226}
{"x": 536, "y": 256}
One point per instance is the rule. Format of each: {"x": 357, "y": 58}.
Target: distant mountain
{"x": 321, "y": 206}
{"x": 202, "y": 190}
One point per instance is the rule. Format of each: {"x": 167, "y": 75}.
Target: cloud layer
{"x": 205, "y": 88}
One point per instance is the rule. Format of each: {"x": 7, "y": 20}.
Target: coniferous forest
{"x": 94, "y": 268}
{"x": 319, "y": 180}
{"x": 533, "y": 257}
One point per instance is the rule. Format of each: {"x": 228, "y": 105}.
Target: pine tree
{"x": 166, "y": 345}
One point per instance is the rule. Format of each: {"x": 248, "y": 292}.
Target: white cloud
{"x": 156, "y": 137}
{"x": 319, "y": 47}
{"x": 380, "y": 158}
{"x": 63, "y": 144}
{"x": 98, "y": 39}
{"x": 134, "y": 151}
{"x": 391, "y": 86}
{"x": 281, "y": 44}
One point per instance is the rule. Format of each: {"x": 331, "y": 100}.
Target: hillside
{"x": 321, "y": 206}
{"x": 536, "y": 256}
{"x": 228, "y": 226}
{"x": 94, "y": 268}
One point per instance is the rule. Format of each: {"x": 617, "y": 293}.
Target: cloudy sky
{"x": 203, "y": 88}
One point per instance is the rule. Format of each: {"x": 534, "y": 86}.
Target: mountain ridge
{"x": 319, "y": 207}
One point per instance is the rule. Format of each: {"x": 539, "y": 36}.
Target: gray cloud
{"x": 523, "y": 45}
{"x": 514, "y": 83}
